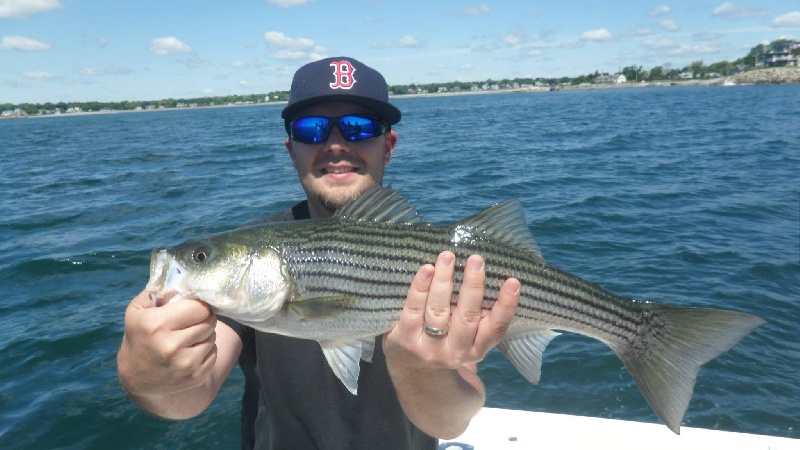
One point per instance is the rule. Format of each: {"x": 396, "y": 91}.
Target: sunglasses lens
{"x": 359, "y": 128}
{"x": 311, "y": 130}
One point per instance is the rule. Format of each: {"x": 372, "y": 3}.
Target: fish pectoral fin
{"x": 524, "y": 350}
{"x": 320, "y": 307}
{"x": 343, "y": 357}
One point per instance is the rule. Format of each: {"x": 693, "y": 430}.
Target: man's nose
{"x": 336, "y": 142}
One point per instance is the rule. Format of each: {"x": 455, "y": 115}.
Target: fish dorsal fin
{"x": 380, "y": 204}
{"x": 505, "y": 222}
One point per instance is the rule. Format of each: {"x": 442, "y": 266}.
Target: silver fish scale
{"x": 375, "y": 262}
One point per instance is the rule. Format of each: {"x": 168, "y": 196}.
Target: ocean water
{"x": 683, "y": 195}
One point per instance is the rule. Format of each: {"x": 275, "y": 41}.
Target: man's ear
{"x": 391, "y": 142}
{"x": 288, "y": 144}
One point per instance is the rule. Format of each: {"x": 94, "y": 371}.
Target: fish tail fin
{"x": 676, "y": 341}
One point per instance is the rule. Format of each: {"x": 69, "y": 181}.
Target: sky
{"x": 110, "y": 51}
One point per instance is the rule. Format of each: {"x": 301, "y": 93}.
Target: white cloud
{"x": 23, "y": 44}
{"x": 104, "y": 70}
{"x": 706, "y": 36}
{"x": 641, "y": 32}
{"x": 288, "y": 3}
{"x": 278, "y": 40}
{"x": 597, "y": 35}
{"x": 38, "y": 75}
{"x": 245, "y": 83}
{"x": 788, "y": 20}
{"x": 660, "y": 10}
{"x": 723, "y": 9}
{"x": 24, "y": 8}
{"x": 168, "y": 46}
{"x": 197, "y": 62}
{"x": 406, "y": 41}
{"x": 700, "y": 49}
{"x": 409, "y": 41}
{"x": 313, "y": 56}
{"x": 730, "y": 11}
{"x": 239, "y": 64}
{"x": 519, "y": 39}
{"x": 659, "y": 43}
{"x": 289, "y": 54}
{"x": 480, "y": 10}
{"x": 487, "y": 47}
{"x": 668, "y": 24}
{"x": 572, "y": 44}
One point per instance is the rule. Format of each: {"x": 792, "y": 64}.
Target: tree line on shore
{"x": 632, "y": 73}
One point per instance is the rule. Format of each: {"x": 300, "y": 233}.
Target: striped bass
{"x": 343, "y": 280}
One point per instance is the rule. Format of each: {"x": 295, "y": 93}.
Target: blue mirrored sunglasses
{"x": 316, "y": 129}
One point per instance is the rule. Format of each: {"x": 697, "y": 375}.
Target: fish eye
{"x": 201, "y": 254}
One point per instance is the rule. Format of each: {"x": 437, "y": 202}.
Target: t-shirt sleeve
{"x": 243, "y": 331}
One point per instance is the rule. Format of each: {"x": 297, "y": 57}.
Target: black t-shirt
{"x": 292, "y": 399}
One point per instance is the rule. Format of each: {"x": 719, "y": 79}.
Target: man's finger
{"x": 437, "y": 307}
{"x": 414, "y": 307}
{"x": 494, "y": 326}
{"x": 185, "y": 313}
{"x": 470, "y": 301}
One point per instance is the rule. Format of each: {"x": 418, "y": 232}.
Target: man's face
{"x": 337, "y": 170}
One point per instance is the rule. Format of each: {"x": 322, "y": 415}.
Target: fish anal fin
{"x": 524, "y": 350}
{"x": 343, "y": 358}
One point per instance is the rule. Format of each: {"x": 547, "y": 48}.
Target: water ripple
{"x": 679, "y": 195}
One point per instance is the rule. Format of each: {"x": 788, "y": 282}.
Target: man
{"x": 422, "y": 383}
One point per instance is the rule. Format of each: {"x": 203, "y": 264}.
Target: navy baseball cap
{"x": 340, "y": 79}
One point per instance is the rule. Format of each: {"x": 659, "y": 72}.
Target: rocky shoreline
{"x": 770, "y": 75}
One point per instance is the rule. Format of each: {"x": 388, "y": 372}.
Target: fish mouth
{"x": 158, "y": 275}
{"x": 166, "y": 276}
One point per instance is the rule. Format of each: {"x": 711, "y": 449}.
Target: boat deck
{"x": 501, "y": 429}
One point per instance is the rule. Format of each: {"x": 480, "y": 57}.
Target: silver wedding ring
{"x": 433, "y": 331}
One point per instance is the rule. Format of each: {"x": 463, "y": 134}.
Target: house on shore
{"x": 616, "y": 78}
{"x": 783, "y": 55}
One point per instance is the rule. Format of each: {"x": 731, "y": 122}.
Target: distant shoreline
{"x": 782, "y": 75}
{"x": 126, "y": 111}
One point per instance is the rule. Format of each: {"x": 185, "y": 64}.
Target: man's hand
{"x": 166, "y": 349}
{"x": 435, "y": 376}
{"x": 471, "y": 331}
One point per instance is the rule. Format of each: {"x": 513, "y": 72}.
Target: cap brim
{"x": 386, "y": 111}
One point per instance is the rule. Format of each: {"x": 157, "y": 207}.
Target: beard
{"x": 332, "y": 201}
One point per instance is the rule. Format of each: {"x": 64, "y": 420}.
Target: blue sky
{"x": 85, "y": 50}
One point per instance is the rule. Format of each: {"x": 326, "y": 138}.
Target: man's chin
{"x": 335, "y": 197}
